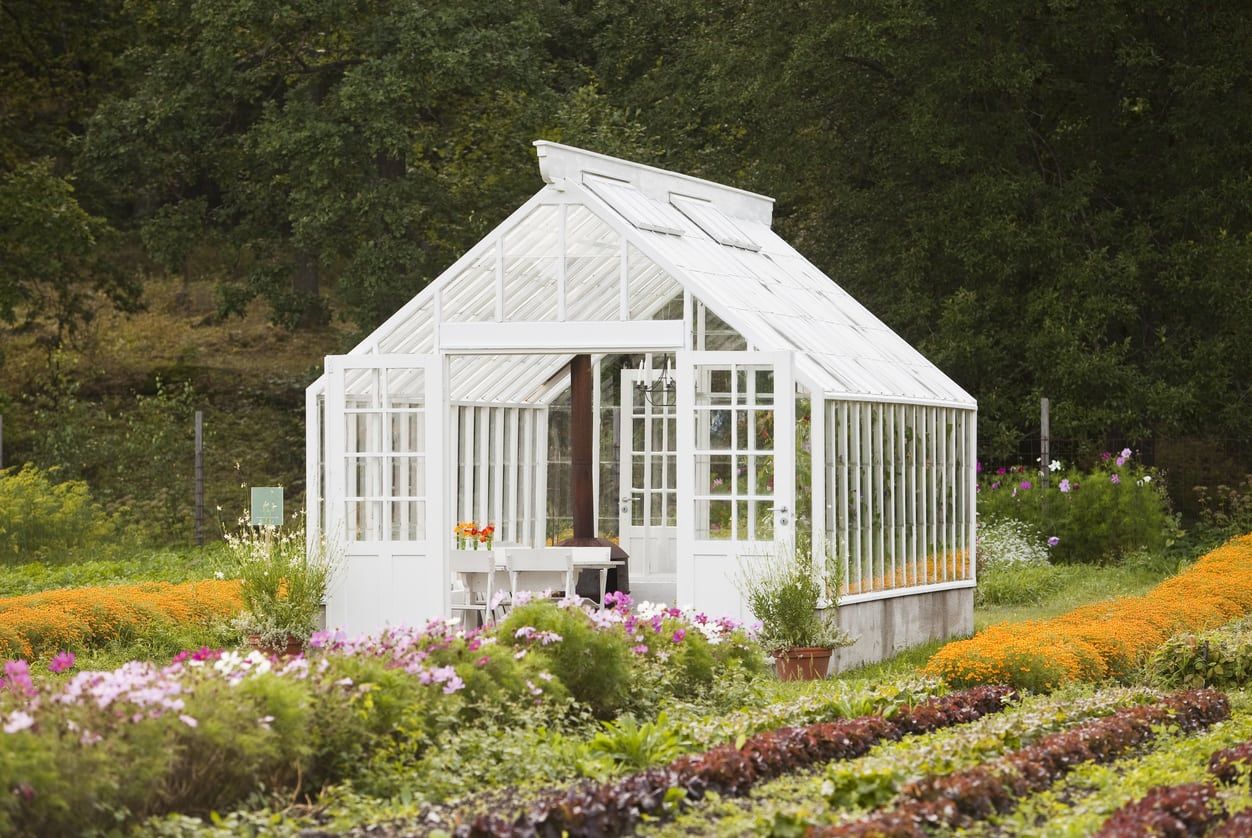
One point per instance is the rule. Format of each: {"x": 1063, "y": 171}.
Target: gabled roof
{"x": 712, "y": 240}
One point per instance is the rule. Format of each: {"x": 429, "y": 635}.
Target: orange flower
{"x": 74, "y": 618}
{"x": 1105, "y": 639}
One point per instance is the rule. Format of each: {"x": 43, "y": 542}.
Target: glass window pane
{"x": 764, "y": 518}
{"x": 364, "y": 520}
{"x": 743, "y": 526}
{"x": 763, "y": 430}
{"x": 408, "y": 476}
{"x": 636, "y": 508}
{"x": 365, "y": 476}
{"x": 764, "y": 484}
{"x": 720, "y": 436}
{"x": 713, "y": 520}
{"x": 364, "y": 432}
{"x": 764, "y": 386}
{"x": 408, "y": 432}
{"x": 406, "y": 388}
{"x": 408, "y": 520}
{"x": 714, "y": 475}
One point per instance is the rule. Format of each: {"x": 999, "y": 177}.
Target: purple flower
{"x": 995, "y": 484}
{"x": 62, "y": 662}
{"x": 17, "y": 677}
{"x": 680, "y": 635}
{"x": 1121, "y": 461}
{"x": 1115, "y": 479}
{"x": 1064, "y": 487}
{"x": 1024, "y": 485}
{"x": 1001, "y": 470}
{"x": 1126, "y": 453}
{"x": 1053, "y": 541}
{"x": 1106, "y": 456}
{"x": 978, "y": 466}
{"x": 640, "y": 649}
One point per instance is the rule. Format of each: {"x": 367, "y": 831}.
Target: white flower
{"x": 1055, "y": 465}
{"x": 219, "y": 575}
{"x": 188, "y": 720}
{"x": 1147, "y": 478}
{"x": 18, "y": 720}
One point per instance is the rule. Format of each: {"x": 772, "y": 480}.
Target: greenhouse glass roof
{"x": 607, "y": 239}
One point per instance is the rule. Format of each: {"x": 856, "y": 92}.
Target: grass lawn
{"x": 1083, "y": 584}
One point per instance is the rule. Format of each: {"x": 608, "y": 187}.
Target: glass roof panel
{"x": 714, "y": 222}
{"x": 593, "y": 267}
{"x": 532, "y": 255}
{"x": 637, "y": 208}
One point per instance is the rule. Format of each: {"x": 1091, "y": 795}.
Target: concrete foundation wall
{"x": 883, "y": 627}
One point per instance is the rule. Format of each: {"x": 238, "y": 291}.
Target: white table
{"x": 604, "y": 566}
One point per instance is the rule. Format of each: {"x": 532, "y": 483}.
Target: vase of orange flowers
{"x": 470, "y": 536}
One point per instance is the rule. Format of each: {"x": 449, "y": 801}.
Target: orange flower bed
{"x": 43, "y": 623}
{"x": 1106, "y": 639}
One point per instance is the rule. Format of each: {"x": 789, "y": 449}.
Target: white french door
{"x": 736, "y": 470}
{"x": 648, "y": 506}
{"x": 384, "y": 481}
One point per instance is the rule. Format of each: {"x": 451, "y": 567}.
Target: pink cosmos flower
{"x": 1064, "y": 487}
{"x": 62, "y": 662}
{"x": 640, "y": 649}
{"x": 1024, "y": 485}
{"x": 679, "y": 636}
{"x": 1115, "y": 479}
{"x": 1053, "y": 541}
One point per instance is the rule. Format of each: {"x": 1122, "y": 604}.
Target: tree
{"x": 52, "y": 257}
{"x": 343, "y": 140}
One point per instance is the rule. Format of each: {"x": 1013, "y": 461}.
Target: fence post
{"x": 1045, "y": 439}
{"x": 199, "y": 478}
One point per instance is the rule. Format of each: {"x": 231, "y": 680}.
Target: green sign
{"x": 267, "y": 506}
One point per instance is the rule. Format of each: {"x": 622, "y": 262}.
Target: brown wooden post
{"x": 580, "y": 434}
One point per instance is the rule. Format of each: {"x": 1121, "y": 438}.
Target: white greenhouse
{"x": 634, "y": 358}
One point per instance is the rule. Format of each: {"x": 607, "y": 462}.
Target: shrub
{"x": 593, "y": 665}
{"x": 282, "y": 582}
{"x": 1013, "y": 566}
{"x": 1019, "y": 584}
{"x": 1225, "y": 511}
{"x": 78, "y": 618}
{"x": 785, "y": 592}
{"x": 1218, "y": 658}
{"x": 1106, "y": 639}
{"x": 42, "y": 519}
{"x": 1100, "y": 515}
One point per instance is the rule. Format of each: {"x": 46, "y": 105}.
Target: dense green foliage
{"x": 1047, "y": 199}
{"x": 49, "y": 520}
{"x": 1092, "y": 516}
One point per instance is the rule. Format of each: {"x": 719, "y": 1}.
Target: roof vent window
{"x": 637, "y": 208}
{"x": 713, "y": 221}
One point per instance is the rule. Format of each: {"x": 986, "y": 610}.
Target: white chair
{"x": 539, "y": 570}
{"x": 476, "y": 570}
{"x": 594, "y": 555}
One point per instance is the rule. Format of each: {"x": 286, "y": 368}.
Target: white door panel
{"x": 736, "y": 470}
{"x": 384, "y": 467}
{"x": 647, "y": 506}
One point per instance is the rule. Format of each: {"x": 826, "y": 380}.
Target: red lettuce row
{"x": 1239, "y": 826}
{"x": 1227, "y": 763}
{"x": 1187, "y": 809}
{"x": 964, "y": 797}
{"x": 612, "y": 808}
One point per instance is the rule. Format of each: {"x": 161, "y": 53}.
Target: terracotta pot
{"x": 293, "y": 647}
{"x": 802, "y": 663}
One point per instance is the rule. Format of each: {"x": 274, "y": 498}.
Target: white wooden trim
{"x": 817, "y": 481}
{"x": 563, "y": 338}
{"x": 869, "y": 596}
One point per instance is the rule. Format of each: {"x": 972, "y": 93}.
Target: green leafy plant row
{"x": 1221, "y": 657}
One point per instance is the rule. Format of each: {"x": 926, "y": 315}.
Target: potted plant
{"x": 282, "y": 584}
{"x": 785, "y": 593}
